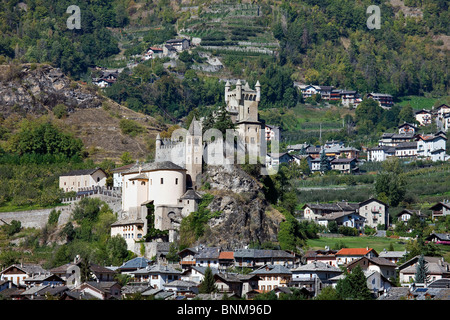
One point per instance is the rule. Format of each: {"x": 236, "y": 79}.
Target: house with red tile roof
{"x": 347, "y": 255}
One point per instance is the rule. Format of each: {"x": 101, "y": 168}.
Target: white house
{"x": 196, "y": 274}
{"x": 208, "y": 257}
{"x": 431, "y": 146}
{"x": 385, "y": 267}
{"x": 343, "y": 218}
{"x": 117, "y": 175}
{"x": 313, "y": 275}
{"x": 423, "y": 117}
{"x": 272, "y": 276}
{"x": 85, "y": 179}
{"x": 275, "y": 159}
{"x": 17, "y": 273}
{"x": 157, "y": 275}
{"x": 446, "y": 122}
{"x": 272, "y": 132}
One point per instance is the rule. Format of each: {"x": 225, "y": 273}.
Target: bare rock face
{"x": 245, "y": 214}
{"x": 36, "y": 89}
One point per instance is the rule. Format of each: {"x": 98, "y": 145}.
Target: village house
{"x": 117, "y": 175}
{"x": 187, "y": 289}
{"x": 275, "y": 159}
{"x": 431, "y": 146}
{"x": 350, "y": 98}
{"x": 441, "y": 111}
{"x": 208, "y": 257}
{"x": 344, "y": 165}
{"x": 314, "y": 211}
{"x": 385, "y": 100}
{"x": 106, "y": 79}
{"x": 313, "y": 276}
{"x": 80, "y": 180}
{"x": 341, "y": 151}
{"x": 272, "y": 132}
{"x": 406, "y": 150}
{"x": 179, "y": 44}
{"x": 187, "y": 257}
{"x": 439, "y": 238}
{"x": 326, "y": 256}
{"x": 349, "y": 219}
{"x": 18, "y": 273}
{"x": 196, "y": 274}
{"x": 156, "y": 275}
{"x": 375, "y": 212}
{"x": 66, "y": 272}
{"x": 46, "y": 279}
{"x": 440, "y": 209}
{"x": 392, "y": 256}
{"x": 169, "y": 51}
{"x": 406, "y": 128}
{"x": 371, "y": 212}
{"x": 153, "y": 52}
{"x": 347, "y": 255}
{"x": 132, "y": 229}
{"x": 100, "y": 290}
{"x": 272, "y": 276}
{"x": 385, "y": 267}
{"x": 406, "y": 214}
{"x": 228, "y": 283}
{"x": 393, "y": 139}
{"x": 437, "y": 269}
{"x": 423, "y": 117}
{"x": 255, "y": 258}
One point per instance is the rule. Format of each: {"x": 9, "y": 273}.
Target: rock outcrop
{"x": 36, "y": 89}
{"x": 245, "y": 214}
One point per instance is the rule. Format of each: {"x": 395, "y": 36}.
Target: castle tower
{"x": 194, "y": 152}
{"x": 242, "y": 104}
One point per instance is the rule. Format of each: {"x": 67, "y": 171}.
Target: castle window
{"x": 176, "y": 180}
{"x": 248, "y": 110}
{"x": 162, "y": 180}
{"x": 142, "y": 183}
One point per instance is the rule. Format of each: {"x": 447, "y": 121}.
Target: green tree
{"x": 390, "y": 182}
{"x": 421, "y": 275}
{"x": 328, "y": 293}
{"x": 325, "y": 165}
{"x": 208, "y": 284}
{"x": 116, "y": 248}
{"x": 354, "y": 285}
{"x": 126, "y": 158}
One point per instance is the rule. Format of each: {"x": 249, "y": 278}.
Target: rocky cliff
{"x": 245, "y": 214}
{"x": 37, "y": 89}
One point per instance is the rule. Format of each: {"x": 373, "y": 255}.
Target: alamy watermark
{"x": 374, "y": 21}
{"x": 74, "y": 21}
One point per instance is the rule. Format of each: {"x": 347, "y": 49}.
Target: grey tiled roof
{"x": 317, "y": 266}
{"x": 272, "y": 269}
{"x": 260, "y": 253}
{"x": 208, "y": 253}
